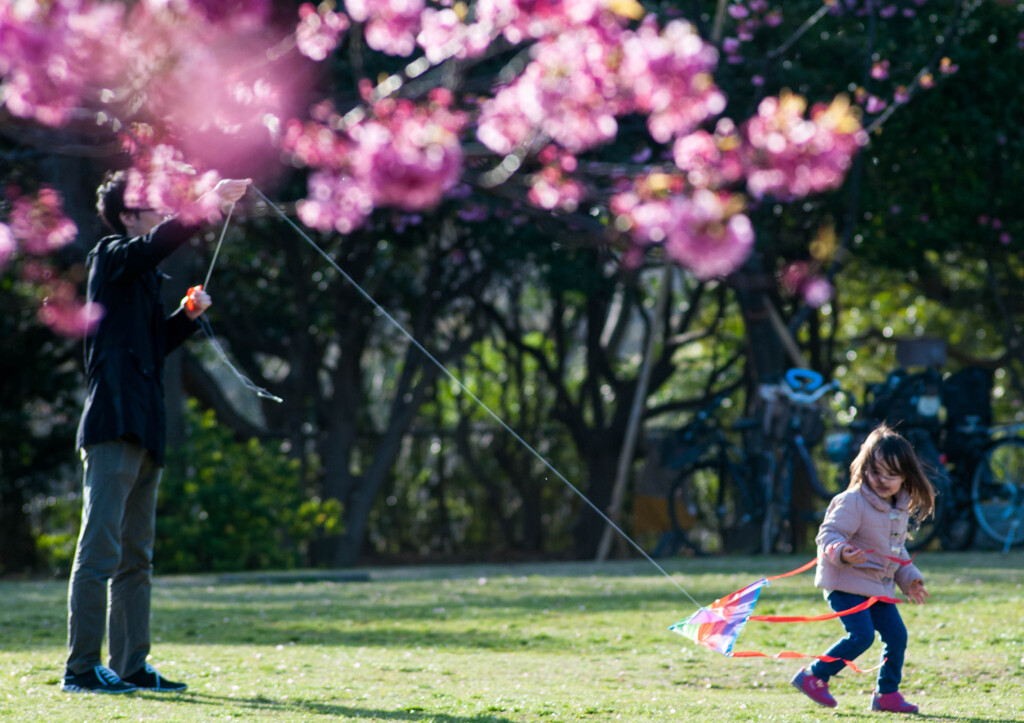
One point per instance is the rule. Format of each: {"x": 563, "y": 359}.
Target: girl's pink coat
{"x": 861, "y": 518}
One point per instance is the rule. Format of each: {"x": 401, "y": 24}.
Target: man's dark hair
{"x": 110, "y": 201}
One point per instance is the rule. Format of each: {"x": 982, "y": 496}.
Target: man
{"x": 121, "y": 437}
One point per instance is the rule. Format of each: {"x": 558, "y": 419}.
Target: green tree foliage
{"x": 38, "y": 417}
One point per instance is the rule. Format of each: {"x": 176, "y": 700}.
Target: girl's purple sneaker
{"x": 891, "y": 703}
{"x": 814, "y": 688}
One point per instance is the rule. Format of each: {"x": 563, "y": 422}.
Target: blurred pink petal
{"x": 7, "y": 245}
{"x": 39, "y": 223}
{"x": 319, "y": 31}
{"x": 68, "y": 315}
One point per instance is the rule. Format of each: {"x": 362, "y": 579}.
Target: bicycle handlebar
{"x": 809, "y": 397}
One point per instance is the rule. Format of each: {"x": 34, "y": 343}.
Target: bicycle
{"x": 712, "y": 485}
{"x": 987, "y": 471}
{"x": 793, "y": 423}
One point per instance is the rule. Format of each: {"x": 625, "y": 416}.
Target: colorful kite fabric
{"x": 718, "y": 625}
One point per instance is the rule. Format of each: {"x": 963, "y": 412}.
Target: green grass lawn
{"x": 552, "y": 642}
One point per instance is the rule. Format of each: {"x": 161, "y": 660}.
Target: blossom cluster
{"x": 160, "y": 179}
{"x": 319, "y": 31}
{"x": 553, "y": 188}
{"x": 36, "y": 227}
{"x": 704, "y": 230}
{"x": 51, "y": 53}
{"x": 789, "y": 156}
{"x": 404, "y": 155}
{"x": 579, "y": 81}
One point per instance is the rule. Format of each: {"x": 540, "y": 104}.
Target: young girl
{"x": 860, "y": 543}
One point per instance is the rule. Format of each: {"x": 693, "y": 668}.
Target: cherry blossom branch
{"x": 958, "y": 17}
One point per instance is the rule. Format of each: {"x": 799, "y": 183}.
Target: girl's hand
{"x": 852, "y": 555}
{"x": 917, "y": 593}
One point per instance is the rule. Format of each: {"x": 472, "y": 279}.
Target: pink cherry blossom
{"x": 234, "y": 16}
{"x": 703, "y": 230}
{"x": 7, "y": 245}
{"x": 52, "y": 53}
{"x": 790, "y": 156}
{"x": 738, "y": 11}
{"x": 39, "y": 223}
{"x": 571, "y": 90}
{"x": 669, "y": 73}
{"x": 710, "y": 161}
{"x": 199, "y": 81}
{"x": 510, "y": 118}
{"x": 444, "y": 35}
{"x": 874, "y": 104}
{"x": 708, "y": 235}
{"x": 391, "y": 26}
{"x": 521, "y": 20}
{"x": 319, "y": 31}
{"x": 552, "y": 189}
{"x": 316, "y": 145}
{"x": 66, "y": 314}
{"x": 409, "y": 155}
{"x": 816, "y": 291}
{"x": 161, "y": 180}
{"x": 794, "y": 275}
{"x": 335, "y": 202}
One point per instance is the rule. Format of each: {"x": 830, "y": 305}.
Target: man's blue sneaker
{"x": 149, "y": 680}
{"x": 98, "y": 680}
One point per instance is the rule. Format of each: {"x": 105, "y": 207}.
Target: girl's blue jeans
{"x": 860, "y": 634}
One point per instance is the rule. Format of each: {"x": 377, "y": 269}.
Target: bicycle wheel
{"x": 997, "y": 492}
{"x": 960, "y": 528}
{"x": 708, "y": 508}
{"x": 922, "y": 529}
{"x": 737, "y": 510}
{"x": 777, "y": 529}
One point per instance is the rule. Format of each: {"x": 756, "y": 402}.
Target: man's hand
{"x": 201, "y": 301}
{"x": 917, "y": 593}
{"x": 231, "y": 190}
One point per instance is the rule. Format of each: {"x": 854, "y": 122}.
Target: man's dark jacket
{"x": 124, "y": 357}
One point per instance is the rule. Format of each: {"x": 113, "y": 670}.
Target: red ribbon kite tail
{"x": 718, "y": 625}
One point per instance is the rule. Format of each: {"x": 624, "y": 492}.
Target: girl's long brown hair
{"x": 886, "y": 450}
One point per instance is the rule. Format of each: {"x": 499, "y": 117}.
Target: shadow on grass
{"x": 414, "y": 714}
{"x": 508, "y": 614}
{"x": 300, "y": 707}
{"x": 959, "y": 719}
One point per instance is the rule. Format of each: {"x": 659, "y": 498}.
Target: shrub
{"x": 238, "y": 506}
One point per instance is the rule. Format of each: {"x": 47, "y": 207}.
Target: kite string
{"x": 204, "y": 324}
{"x": 216, "y": 251}
{"x": 462, "y": 387}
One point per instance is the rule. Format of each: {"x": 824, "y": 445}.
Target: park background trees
{"x": 537, "y": 290}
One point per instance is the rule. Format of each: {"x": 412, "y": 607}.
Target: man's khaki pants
{"x": 115, "y": 546}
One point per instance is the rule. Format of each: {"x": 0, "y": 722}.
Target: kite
{"x": 718, "y": 625}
